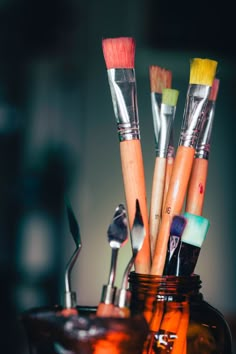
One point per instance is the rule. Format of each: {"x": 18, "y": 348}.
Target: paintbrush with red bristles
{"x": 202, "y": 74}
{"x": 162, "y": 136}
{"x": 119, "y": 55}
{"x": 198, "y": 179}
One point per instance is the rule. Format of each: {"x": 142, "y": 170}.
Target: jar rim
{"x": 183, "y": 284}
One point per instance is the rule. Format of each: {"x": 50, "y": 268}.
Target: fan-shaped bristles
{"x": 119, "y": 52}
{"x": 202, "y": 71}
{"x": 214, "y": 90}
{"x": 160, "y": 78}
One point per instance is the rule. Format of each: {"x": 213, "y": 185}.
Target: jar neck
{"x": 166, "y": 287}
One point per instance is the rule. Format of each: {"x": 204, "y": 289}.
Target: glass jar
{"x": 180, "y": 320}
{"x": 56, "y": 331}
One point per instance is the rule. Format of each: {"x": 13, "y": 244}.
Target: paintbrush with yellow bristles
{"x": 202, "y": 74}
{"x": 198, "y": 179}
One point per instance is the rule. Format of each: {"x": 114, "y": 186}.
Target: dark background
{"x": 58, "y": 138}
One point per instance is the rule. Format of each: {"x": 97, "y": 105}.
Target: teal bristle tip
{"x": 196, "y": 229}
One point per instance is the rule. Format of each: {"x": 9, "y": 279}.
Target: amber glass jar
{"x": 180, "y": 320}
{"x": 56, "y": 331}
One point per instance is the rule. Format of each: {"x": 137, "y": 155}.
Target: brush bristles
{"x": 119, "y": 52}
{"x": 160, "y": 78}
{"x": 177, "y": 226}
{"x": 202, "y": 71}
{"x": 214, "y": 90}
{"x": 170, "y": 96}
{"x": 196, "y": 229}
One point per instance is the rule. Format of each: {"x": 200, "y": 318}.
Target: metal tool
{"x": 69, "y": 295}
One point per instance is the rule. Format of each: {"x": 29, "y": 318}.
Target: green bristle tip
{"x": 195, "y": 230}
{"x": 170, "y": 96}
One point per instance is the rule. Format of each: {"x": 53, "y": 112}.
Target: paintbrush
{"x": 69, "y": 295}
{"x": 137, "y": 237}
{"x": 202, "y": 73}
{"x": 119, "y": 54}
{"x": 191, "y": 242}
{"x": 160, "y": 78}
{"x": 180, "y": 344}
{"x": 192, "y": 239}
{"x": 169, "y": 166}
{"x": 193, "y": 229}
{"x": 159, "y": 317}
{"x": 117, "y": 236}
{"x": 198, "y": 179}
{"x": 176, "y": 230}
{"x": 162, "y": 129}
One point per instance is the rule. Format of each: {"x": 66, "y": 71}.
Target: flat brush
{"x": 198, "y": 179}
{"x": 162, "y": 128}
{"x": 119, "y": 55}
{"x": 176, "y": 230}
{"x": 117, "y": 236}
{"x": 202, "y": 73}
{"x": 160, "y": 78}
{"x": 191, "y": 242}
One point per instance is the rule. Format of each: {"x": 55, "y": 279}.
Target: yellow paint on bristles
{"x": 202, "y": 71}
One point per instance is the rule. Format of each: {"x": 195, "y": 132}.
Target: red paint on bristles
{"x": 214, "y": 90}
{"x": 119, "y": 52}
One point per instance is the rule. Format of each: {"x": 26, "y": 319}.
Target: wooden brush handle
{"x": 170, "y": 321}
{"x": 123, "y": 312}
{"x": 154, "y": 319}
{"x": 197, "y": 186}
{"x": 169, "y": 168}
{"x": 180, "y": 344}
{"x": 173, "y": 204}
{"x": 156, "y": 200}
{"x": 134, "y": 186}
{"x": 105, "y": 310}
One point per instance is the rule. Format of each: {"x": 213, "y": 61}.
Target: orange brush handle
{"x": 169, "y": 168}
{"x": 105, "y": 310}
{"x": 197, "y": 186}
{"x": 123, "y": 312}
{"x": 156, "y": 199}
{"x": 134, "y": 186}
{"x": 180, "y": 344}
{"x": 173, "y": 204}
{"x": 154, "y": 319}
{"x": 171, "y": 320}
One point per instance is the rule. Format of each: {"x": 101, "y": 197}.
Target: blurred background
{"x": 58, "y": 140}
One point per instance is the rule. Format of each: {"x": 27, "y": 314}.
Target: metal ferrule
{"x": 203, "y": 143}
{"x": 124, "y": 98}
{"x": 108, "y": 294}
{"x": 197, "y": 97}
{"x": 162, "y": 121}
